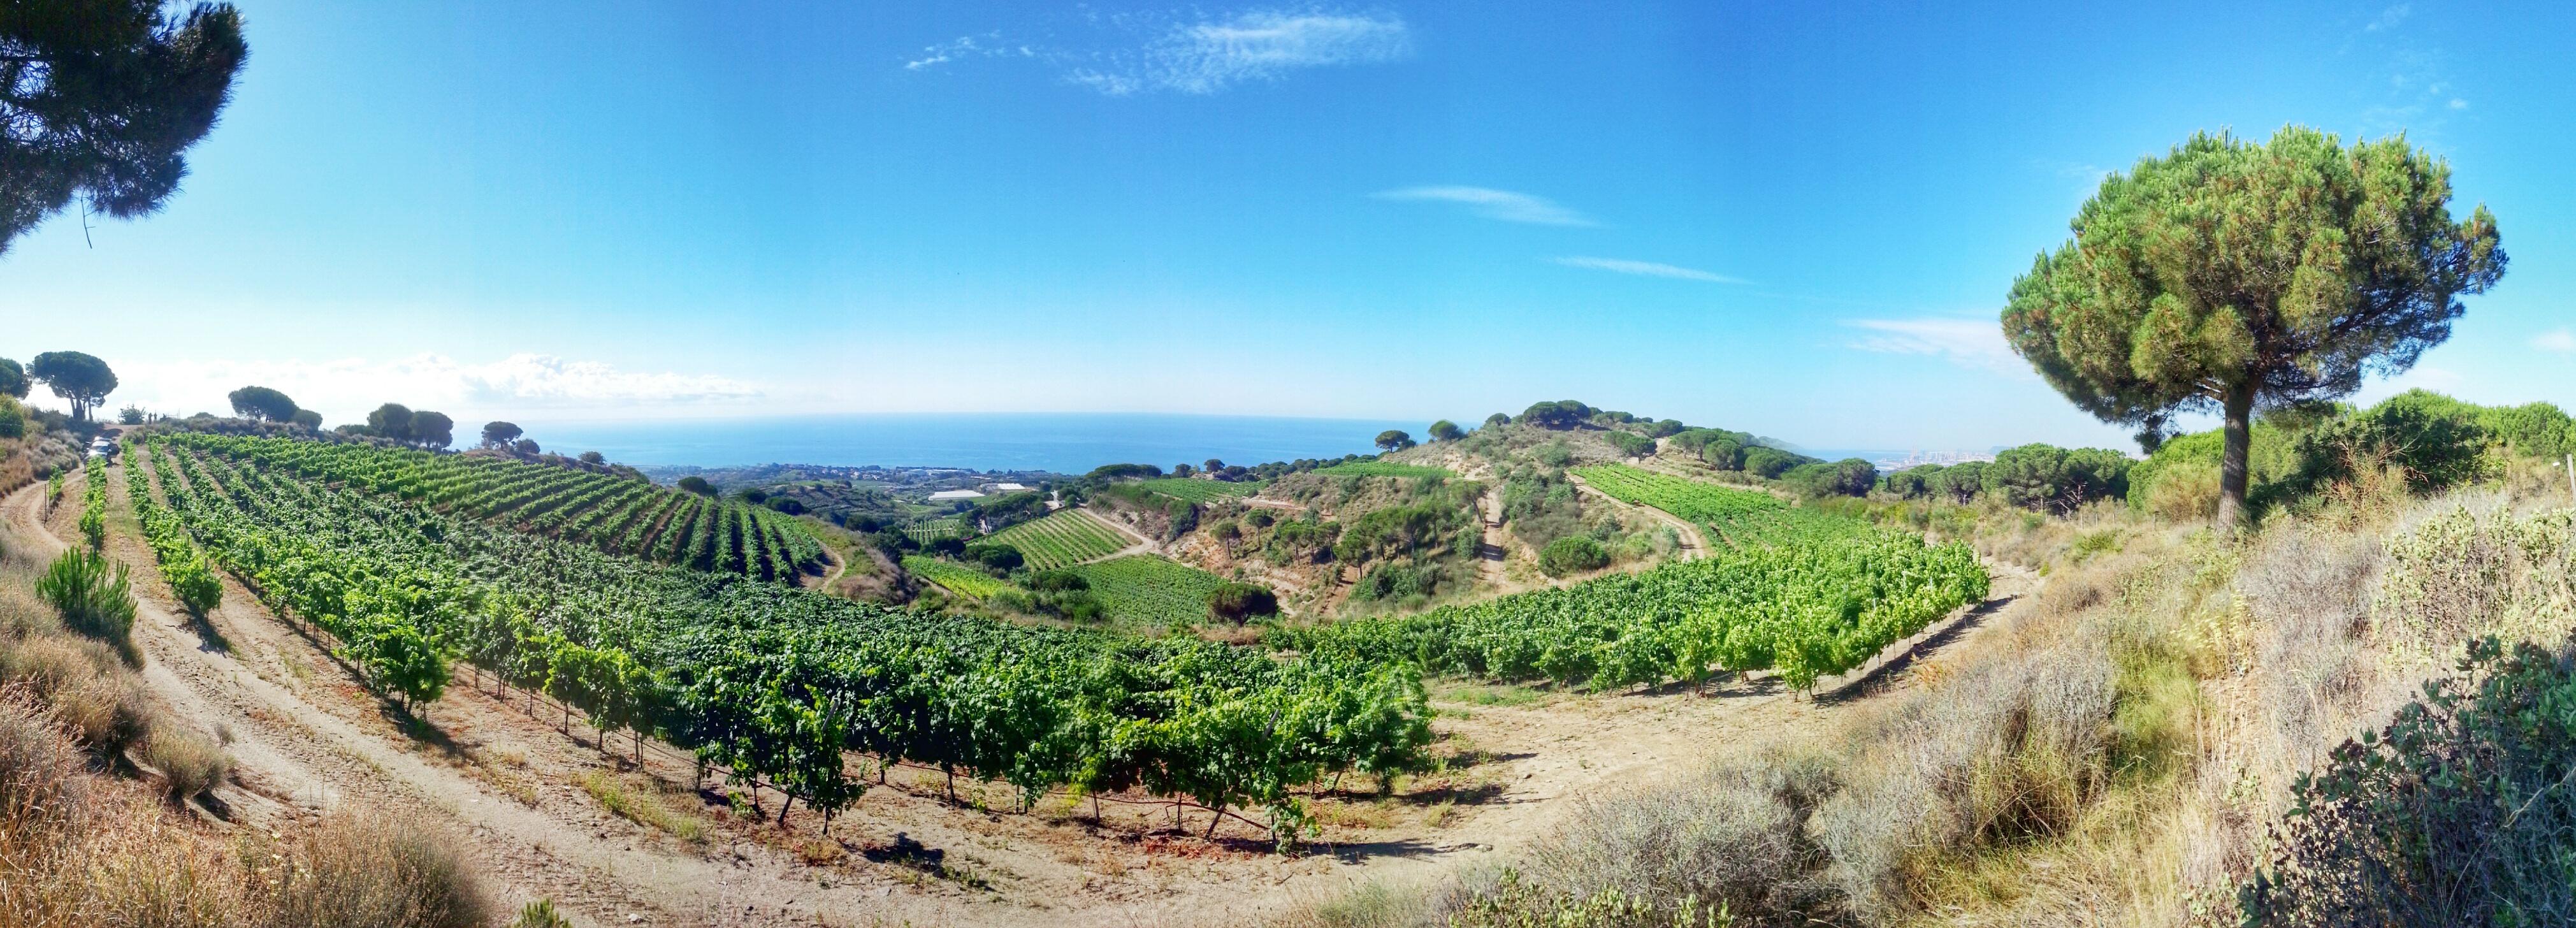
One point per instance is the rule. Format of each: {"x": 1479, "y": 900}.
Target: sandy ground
{"x": 307, "y": 739}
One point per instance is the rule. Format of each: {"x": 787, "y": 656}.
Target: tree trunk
{"x": 1215, "y": 817}
{"x": 783, "y": 807}
{"x": 2232, "y": 476}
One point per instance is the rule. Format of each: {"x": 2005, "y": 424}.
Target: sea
{"x": 1065, "y": 443}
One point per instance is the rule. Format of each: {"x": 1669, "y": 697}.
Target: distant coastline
{"x": 1061, "y": 442}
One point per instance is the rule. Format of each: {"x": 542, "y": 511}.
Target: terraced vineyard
{"x": 1695, "y": 500}
{"x": 613, "y": 514}
{"x": 1732, "y": 516}
{"x": 1200, "y": 491}
{"x": 1383, "y": 469}
{"x": 769, "y": 681}
{"x": 1796, "y": 591}
{"x": 954, "y": 577}
{"x": 1061, "y": 539}
{"x": 930, "y": 530}
{"x": 1151, "y": 590}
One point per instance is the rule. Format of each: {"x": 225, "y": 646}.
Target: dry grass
{"x": 374, "y": 870}
{"x": 189, "y": 763}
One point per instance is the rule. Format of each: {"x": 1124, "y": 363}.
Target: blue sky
{"x": 1771, "y": 217}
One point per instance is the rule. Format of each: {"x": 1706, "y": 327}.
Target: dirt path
{"x": 308, "y": 739}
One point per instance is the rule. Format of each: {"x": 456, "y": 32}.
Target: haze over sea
{"x": 1062, "y": 442}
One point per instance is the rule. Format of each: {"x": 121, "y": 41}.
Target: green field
{"x": 957, "y": 578}
{"x": 1695, "y": 500}
{"x": 1061, "y": 539}
{"x": 1151, "y": 590}
{"x": 1384, "y": 469}
{"x": 930, "y": 530}
{"x": 1200, "y": 491}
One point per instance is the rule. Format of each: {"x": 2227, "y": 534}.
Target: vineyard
{"x": 954, "y": 577}
{"x": 1797, "y": 592}
{"x": 1061, "y": 539}
{"x": 930, "y": 530}
{"x": 1383, "y": 469}
{"x": 768, "y": 681}
{"x": 1151, "y": 590}
{"x": 615, "y": 515}
{"x": 1200, "y": 491}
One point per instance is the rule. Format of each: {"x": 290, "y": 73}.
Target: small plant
{"x": 91, "y": 600}
{"x": 541, "y": 914}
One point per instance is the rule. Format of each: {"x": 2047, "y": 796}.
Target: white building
{"x": 945, "y": 495}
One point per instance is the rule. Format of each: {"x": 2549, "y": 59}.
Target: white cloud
{"x": 2560, "y": 340}
{"x": 988, "y": 45}
{"x": 343, "y": 390}
{"x": 2459, "y": 104}
{"x": 1493, "y": 204}
{"x": 2389, "y": 18}
{"x": 1976, "y": 343}
{"x": 1200, "y": 55}
{"x": 1261, "y": 46}
{"x": 1647, "y": 269}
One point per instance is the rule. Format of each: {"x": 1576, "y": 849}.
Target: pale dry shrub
{"x": 2467, "y": 566}
{"x": 189, "y": 763}
{"x": 396, "y": 871}
{"x": 2184, "y": 493}
{"x": 1731, "y": 836}
{"x": 2009, "y": 749}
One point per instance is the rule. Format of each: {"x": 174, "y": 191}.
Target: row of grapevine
{"x": 610, "y": 513}
{"x": 1733, "y": 517}
{"x": 386, "y": 617}
{"x": 93, "y": 520}
{"x": 1061, "y": 539}
{"x": 191, "y": 577}
{"x": 778, "y": 683}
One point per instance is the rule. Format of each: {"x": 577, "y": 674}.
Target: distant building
{"x": 945, "y": 495}
{"x": 1010, "y": 488}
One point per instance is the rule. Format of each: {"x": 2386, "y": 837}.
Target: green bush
{"x": 92, "y": 599}
{"x": 2458, "y": 813}
{"x": 1573, "y": 554}
{"x": 1238, "y": 602}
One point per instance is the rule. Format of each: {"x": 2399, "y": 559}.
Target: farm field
{"x": 612, "y": 514}
{"x": 777, "y": 683}
{"x": 930, "y": 530}
{"x": 1147, "y": 589}
{"x": 1795, "y": 591}
{"x": 1060, "y": 539}
{"x": 1201, "y": 491}
{"x": 1384, "y": 469}
{"x": 954, "y": 577}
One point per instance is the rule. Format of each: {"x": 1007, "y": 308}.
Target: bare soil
{"x": 526, "y": 784}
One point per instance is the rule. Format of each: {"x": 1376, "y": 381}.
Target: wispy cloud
{"x": 1976, "y": 343}
{"x": 1493, "y": 204}
{"x": 345, "y": 389}
{"x": 2389, "y": 18}
{"x": 1209, "y": 56}
{"x": 1647, "y": 269}
{"x": 2563, "y": 339}
{"x": 1200, "y": 54}
{"x": 988, "y": 45}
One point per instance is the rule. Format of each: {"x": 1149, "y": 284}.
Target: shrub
{"x": 189, "y": 763}
{"x": 13, "y": 421}
{"x": 1237, "y": 602}
{"x": 376, "y": 871}
{"x": 2455, "y": 814}
{"x": 1573, "y": 554}
{"x": 90, "y": 599}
